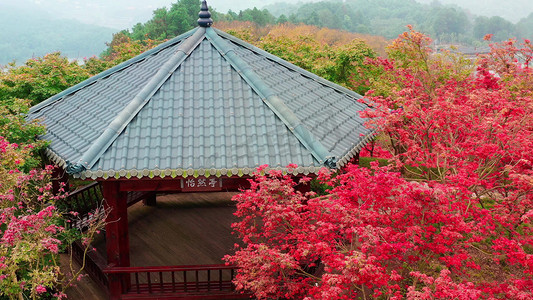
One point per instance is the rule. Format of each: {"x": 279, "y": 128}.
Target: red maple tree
{"x": 450, "y": 217}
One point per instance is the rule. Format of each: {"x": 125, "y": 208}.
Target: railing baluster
{"x": 185, "y": 280}
{"x": 149, "y": 283}
{"x": 95, "y": 196}
{"x": 208, "y": 280}
{"x": 89, "y": 201}
{"x": 197, "y": 281}
{"x": 92, "y": 202}
{"x": 161, "y": 281}
{"x": 173, "y": 282}
{"x": 181, "y": 285}
{"x": 137, "y": 282}
{"x": 83, "y": 202}
{"x": 220, "y": 279}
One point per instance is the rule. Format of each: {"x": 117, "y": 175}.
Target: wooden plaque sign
{"x": 201, "y": 184}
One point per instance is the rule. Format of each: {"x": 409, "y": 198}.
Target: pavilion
{"x": 197, "y": 113}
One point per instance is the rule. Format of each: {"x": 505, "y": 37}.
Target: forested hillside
{"x": 28, "y": 33}
{"x": 388, "y": 18}
{"x": 510, "y": 10}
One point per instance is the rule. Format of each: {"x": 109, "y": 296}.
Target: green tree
{"x": 282, "y": 19}
{"x": 168, "y": 23}
{"x": 122, "y": 48}
{"x": 158, "y": 27}
{"x": 178, "y": 20}
{"x": 525, "y": 27}
{"x": 449, "y": 20}
{"x": 344, "y": 64}
{"x": 40, "y": 78}
{"x": 191, "y": 8}
{"x": 498, "y": 26}
{"x": 260, "y": 17}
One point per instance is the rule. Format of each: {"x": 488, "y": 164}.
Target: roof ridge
{"x": 289, "y": 65}
{"x": 112, "y": 70}
{"x": 124, "y": 117}
{"x": 270, "y": 98}
{"x": 340, "y": 161}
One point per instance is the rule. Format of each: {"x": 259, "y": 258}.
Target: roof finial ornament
{"x": 205, "y": 16}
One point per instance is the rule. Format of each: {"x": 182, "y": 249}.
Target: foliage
{"x": 40, "y": 78}
{"x": 447, "y": 23}
{"x": 122, "y": 48}
{"x": 333, "y": 15}
{"x": 498, "y": 26}
{"x": 167, "y": 23}
{"x": 449, "y": 20}
{"x": 525, "y": 27}
{"x": 416, "y": 61}
{"x": 449, "y": 218}
{"x": 374, "y": 148}
{"x": 511, "y": 61}
{"x": 17, "y": 131}
{"x": 332, "y": 54}
{"x": 341, "y": 64}
{"x": 259, "y": 17}
{"x": 29, "y": 243}
{"x": 32, "y": 231}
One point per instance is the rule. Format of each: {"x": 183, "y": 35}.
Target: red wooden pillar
{"x": 117, "y": 238}
{"x": 302, "y": 187}
{"x": 356, "y": 159}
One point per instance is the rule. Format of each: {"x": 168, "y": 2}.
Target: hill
{"x": 513, "y": 11}
{"x": 444, "y": 21}
{"x": 28, "y": 33}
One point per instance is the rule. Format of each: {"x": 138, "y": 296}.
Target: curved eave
{"x": 183, "y": 173}
{"x": 353, "y": 152}
{"x": 55, "y": 158}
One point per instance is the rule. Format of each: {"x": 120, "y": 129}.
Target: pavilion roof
{"x": 204, "y": 103}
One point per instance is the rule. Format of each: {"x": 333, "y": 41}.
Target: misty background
{"x": 31, "y": 28}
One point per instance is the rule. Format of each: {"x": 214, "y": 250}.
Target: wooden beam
{"x": 117, "y": 237}
{"x": 175, "y": 185}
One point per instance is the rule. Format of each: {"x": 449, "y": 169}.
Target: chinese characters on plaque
{"x": 201, "y": 184}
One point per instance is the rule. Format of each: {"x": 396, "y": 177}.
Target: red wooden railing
{"x": 94, "y": 264}
{"x": 171, "y": 282}
{"x": 191, "y": 282}
{"x": 84, "y": 201}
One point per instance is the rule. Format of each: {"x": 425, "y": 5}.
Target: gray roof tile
{"x": 203, "y": 116}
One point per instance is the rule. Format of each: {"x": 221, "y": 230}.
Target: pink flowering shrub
{"x": 31, "y": 230}
{"x": 450, "y": 218}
